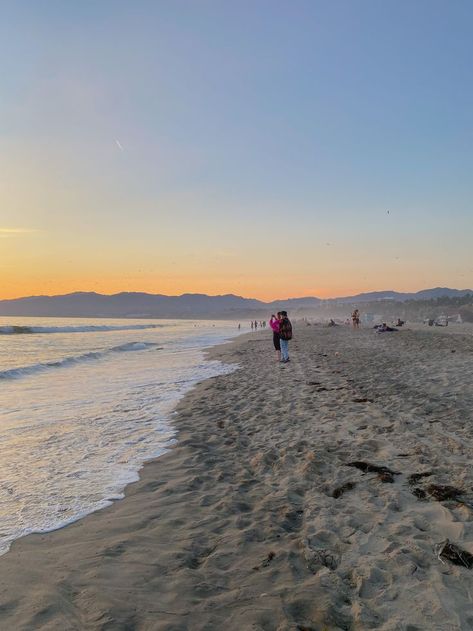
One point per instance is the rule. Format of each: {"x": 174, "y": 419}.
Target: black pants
{"x": 276, "y": 341}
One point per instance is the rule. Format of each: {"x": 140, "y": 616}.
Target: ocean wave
{"x": 132, "y": 346}
{"x": 28, "y": 330}
{"x": 16, "y": 373}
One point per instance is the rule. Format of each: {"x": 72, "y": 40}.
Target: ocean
{"x": 83, "y": 404}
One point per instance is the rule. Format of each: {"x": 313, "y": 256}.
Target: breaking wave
{"x": 16, "y": 373}
{"x": 28, "y": 330}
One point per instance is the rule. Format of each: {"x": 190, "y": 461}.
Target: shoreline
{"x": 237, "y": 526}
{"x": 107, "y": 454}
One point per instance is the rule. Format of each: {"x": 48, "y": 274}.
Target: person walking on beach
{"x": 285, "y": 334}
{"x": 274, "y": 324}
{"x": 355, "y": 316}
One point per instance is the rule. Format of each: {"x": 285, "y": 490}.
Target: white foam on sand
{"x": 76, "y": 430}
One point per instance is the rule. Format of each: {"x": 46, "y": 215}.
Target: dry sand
{"x": 237, "y": 527}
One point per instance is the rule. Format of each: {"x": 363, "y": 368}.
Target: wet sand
{"x": 256, "y": 520}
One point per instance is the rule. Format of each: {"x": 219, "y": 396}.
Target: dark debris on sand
{"x": 340, "y": 490}
{"x": 439, "y": 492}
{"x": 415, "y": 477}
{"x": 384, "y": 473}
{"x": 419, "y": 493}
{"x": 265, "y": 562}
{"x": 453, "y": 553}
{"x": 444, "y": 493}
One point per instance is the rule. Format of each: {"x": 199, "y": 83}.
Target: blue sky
{"x": 248, "y": 132}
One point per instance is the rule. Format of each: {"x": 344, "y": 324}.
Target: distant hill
{"x": 144, "y": 305}
{"x": 424, "y": 294}
{"x": 128, "y": 305}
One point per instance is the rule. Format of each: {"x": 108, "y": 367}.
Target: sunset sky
{"x": 265, "y": 148}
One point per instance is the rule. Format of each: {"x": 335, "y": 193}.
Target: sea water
{"x": 83, "y": 404}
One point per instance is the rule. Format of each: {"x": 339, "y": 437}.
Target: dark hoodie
{"x": 285, "y": 328}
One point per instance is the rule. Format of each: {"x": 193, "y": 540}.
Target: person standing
{"x": 274, "y": 324}
{"x": 355, "y": 316}
{"x": 285, "y": 334}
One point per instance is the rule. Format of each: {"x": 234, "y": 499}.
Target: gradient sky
{"x": 252, "y": 147}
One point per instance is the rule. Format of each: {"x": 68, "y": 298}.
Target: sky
{"x": 264, "y": 148}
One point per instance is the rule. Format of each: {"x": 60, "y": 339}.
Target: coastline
{"x": 237, "y": 526}
{"x": 83, "y": 407}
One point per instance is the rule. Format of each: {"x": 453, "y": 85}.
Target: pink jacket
{"x": 274, "y": 324}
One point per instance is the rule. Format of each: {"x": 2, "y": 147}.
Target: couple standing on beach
{"x": 282, "y": 333}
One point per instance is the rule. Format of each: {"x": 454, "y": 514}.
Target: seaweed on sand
{"x": 265, "y": 562}
{"x": 415, "y": 477}
{"x": 384, "y": 473}
{"x": 444, "y": 493}
{"x": 453, "y": 553}
{"x": 340, "y": 490}
{"x": 419, "y": 493}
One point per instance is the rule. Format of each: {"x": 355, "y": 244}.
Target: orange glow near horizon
{"x": 60, "y": 235}
{"x": 42, "y": 263}
{"x": 20, "y": 288}
{"x": 90, "y": 247}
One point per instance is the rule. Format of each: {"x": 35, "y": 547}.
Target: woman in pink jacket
{"x": 274, "y": 324}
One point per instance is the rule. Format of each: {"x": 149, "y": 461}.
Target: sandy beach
{"x": 267, "y": 514}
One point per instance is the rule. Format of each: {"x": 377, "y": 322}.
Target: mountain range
{"x": 144, "y": 305}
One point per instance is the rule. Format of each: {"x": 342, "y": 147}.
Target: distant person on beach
{"x": 252, "y": 325}
{"x": 355, "y": 316}
{"x": 274, "y": 324}
{"x": 239, "y": 326}
{"x": 384, "y": 328}
{"x": 285, "y": 334}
